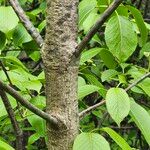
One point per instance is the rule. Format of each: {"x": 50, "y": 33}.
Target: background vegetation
{"x": 113, "y": 74}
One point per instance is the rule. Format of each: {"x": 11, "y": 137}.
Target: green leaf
{"x": 34, "y": 137}
{"x": 145, "y": 84}
{"x": 3, "y": 109}
{"x": 42, "y": 25}
{"x": 38, "y": 124}
{"x": 14, "y": 62}
{"x": 90, "y": 141}
{"x": 2, "y": 40}
{"x": 30, "y": 47}
{"x": 87, "y": 55}
{"x": 140, "y": 23}
{"x": 5, "y": 146}
{"x": 81, "y": 81}
{"x": 90, "y": 21}
{"x": 108, "y": 58}
{"x": 120, "y": 37}
{"x": 32, "y": 85}
{"x": 20, "y": 35}
{"x": 142, "y": 119}
{"x": 117, "y": 138}
{"x": 39, "y": 101}
{"x": 145, "y": 48}
{"x": 35, "y": 56}
{"x": 93, "y": 80}
{"x": 24, "y": 80}
{"x": 86, "y": 90}
{"x": 108, "y": 74}
{"x": 118, "y": 104}
{"x": 8, "y": 18}
{"x": 85, "y": 8}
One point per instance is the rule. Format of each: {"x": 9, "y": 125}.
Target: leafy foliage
{"x": 116, "y": 56}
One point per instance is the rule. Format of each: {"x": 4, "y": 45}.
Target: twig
{"x": 9, "y": 80}
{"x": 90, "y": 109}
{"x": 97, "y": 26}
{"x": 122, "y": 128}
{"x": 11, "y": 114}
{"x": 5, "y": 71}
{"x": 137, "y": 81}
{"x": 26, "y": 22}
{"x": 27, "y": 104}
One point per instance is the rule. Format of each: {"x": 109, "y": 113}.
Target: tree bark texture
{"x": 61, "y": 70}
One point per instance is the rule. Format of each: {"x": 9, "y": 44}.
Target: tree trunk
{"x": 61, "y": 70}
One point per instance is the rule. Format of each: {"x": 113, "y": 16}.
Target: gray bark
{"x": 61, "y": 70}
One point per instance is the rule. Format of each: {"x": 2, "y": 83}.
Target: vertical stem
{"x": 61, "y": 70}
{"x": 11, "y": 114}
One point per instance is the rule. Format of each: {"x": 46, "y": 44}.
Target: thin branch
{"x": 26, "y": 22}
{"x": 90, "y": 109}
{"x": 5, "y": 71}
{"x": 27, "y": 104}
{"x": 9, "y": 80}
{"x": 123, "y": 128}
{"x": 17, "y": 130}
{"x": 138, "y": 81}
{"x": 97, "y": 26}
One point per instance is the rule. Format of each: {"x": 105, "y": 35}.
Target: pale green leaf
{"x": 5, "y": 146}
{"x": 87, "y": 55}
{"x": 90, "y": 21}
{"x": 108, "y": 74}
{"x": 86, "y": 90}
{"x": 120, "y": 37}
{"x": 20, "y": 35}
{"x": 81, "y": 81}
{"x": 90, "y": 141}
{"x": 118, "y": 104}
{"x": 85, "y": 8}
{"x": 8, "y": 18}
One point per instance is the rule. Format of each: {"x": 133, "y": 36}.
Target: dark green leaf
{"x": 142, "y": 119}
{"x": 117, "y": 138}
